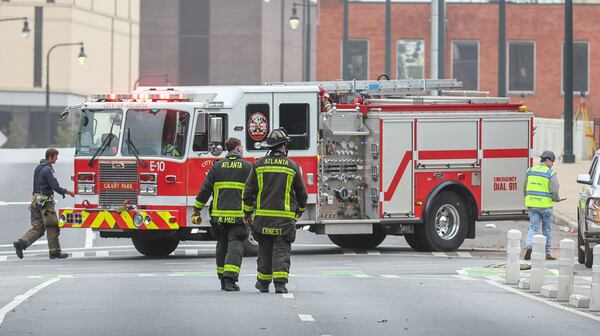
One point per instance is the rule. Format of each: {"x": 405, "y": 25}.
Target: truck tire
{"x": 446, "y": 223}
{"x": 589, "y": 255}
{"x": 414, "y": 242}
{"x": 250, "y": 246}
{"x": 360, "y": 241}
{"x": 580, "y": 244}
{"x": 158, "y": 247}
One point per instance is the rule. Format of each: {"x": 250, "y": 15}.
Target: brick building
{"x": 534, "y": 36}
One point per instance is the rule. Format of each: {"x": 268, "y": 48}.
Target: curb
{"x": 564, "y": 220}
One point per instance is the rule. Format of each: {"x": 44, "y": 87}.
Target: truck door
{"x": 296, "y": 112}
{"x": 397, "y": 168}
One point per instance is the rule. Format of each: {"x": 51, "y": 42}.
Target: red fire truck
{"x": 418, "y": 158}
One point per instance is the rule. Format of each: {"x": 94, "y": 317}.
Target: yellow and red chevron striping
{"x": 104, "y": 219}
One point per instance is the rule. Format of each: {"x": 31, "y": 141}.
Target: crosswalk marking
{"x": 439, "y": 254}
{"x": 390, "y": 276}
{"x": 373, "y": 252}
{"x": 101, "y": 253}
{"x": 349, "y": 252}
{"x": 288, "y": 295}
{"x": 463, "y": 277}
{"x": 495, "y": 278}
{"x": 464, "y": 254}
{"x": 3, "y": 258}
{"x": 78, "y": 255}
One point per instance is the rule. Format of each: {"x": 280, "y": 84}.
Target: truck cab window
{"x": 201, "y": 134}
{"x": 294, "y": 118}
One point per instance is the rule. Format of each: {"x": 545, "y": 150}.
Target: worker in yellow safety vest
{"x": 541, "y": 191}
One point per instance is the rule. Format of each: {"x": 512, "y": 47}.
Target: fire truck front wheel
{"x": 446, "y": 223}
{"x": 155, "y": 247}
{"x": 360, "y": 241}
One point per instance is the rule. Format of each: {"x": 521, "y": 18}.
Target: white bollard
{"x": 513, "y": 252}
{"x": 566, "y": 263}
{"x": 538, "y": 257}
{"x": 595, "y": 295}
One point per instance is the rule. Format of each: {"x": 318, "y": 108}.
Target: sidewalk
{"x": 565, "y": 212}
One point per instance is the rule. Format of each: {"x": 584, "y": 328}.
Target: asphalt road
{"x": 107, "y": 288}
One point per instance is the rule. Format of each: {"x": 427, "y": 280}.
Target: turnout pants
{"x": 43, "y": 220}
{"x": 273, "y": 262}
{"x": 230, "y": 249}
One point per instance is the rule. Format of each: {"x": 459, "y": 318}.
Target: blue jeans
{"x": 535, "y": 215}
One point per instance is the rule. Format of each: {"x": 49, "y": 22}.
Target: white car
{"x": 588, "y": 213}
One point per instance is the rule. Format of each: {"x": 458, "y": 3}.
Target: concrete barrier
{"x": 566, "y": 264}
{"x": 595, "y": 294}
{"x": 513, "y": 252}
{"x": 538, "y": 257}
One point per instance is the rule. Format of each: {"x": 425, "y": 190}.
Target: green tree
{"x": 15, "y": 134}
{"x": 65, "y": 134}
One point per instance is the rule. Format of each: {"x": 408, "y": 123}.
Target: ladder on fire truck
{"x": 407, "y": 91}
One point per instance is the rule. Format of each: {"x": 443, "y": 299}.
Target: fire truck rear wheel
{"x": 414, "y": 242}
{"x": 157, "y": 247}
{"x": 446, "y": 223}
{"x": 360, "y": 241}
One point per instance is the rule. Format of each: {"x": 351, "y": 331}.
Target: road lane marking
{"x": 20, "y": 298}
{"x": 3, "y": 258}
{"x": 146, "y": 275}
{"x": 463, "y": 277}
{"x": 361, "y": 276}
{"x": 495, "y": 278}
{"x": 89, "y": 238}
{"x": 464, "y": 254}
{"x": 288, "y": 296}
{"x": 391, "y": 276}
{"x": 373, "y": 252}
{"x": 439, "y": 254}
{"x": 306, "y": 317}
{"x": 78, "y": 255}
{"x": 539, "y": 299}
{"x": 349, "y": 252}
{"x": 101, "y": 253}
{"x": 4, "y": 203}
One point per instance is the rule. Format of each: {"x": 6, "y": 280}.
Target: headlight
{"x": 148, "y": 189}
{"x": 85, "y": 188}
{"x": 138, "y": 219}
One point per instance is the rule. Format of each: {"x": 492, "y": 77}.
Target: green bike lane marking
{"x": 483, "y": 272}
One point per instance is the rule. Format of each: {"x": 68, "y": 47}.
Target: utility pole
{"x": 441, "y": 38}
{"x": 433, "y": 72}
{"x": 388, "y": 38}
{"x": 345, "y": 74}
{"x": 568, "y": 156}
{"x": 308, "y": 41}
{"x": 501, "y": 48}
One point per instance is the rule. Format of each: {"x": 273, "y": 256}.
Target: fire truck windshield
{"x": 156, "y": 132}
{"x": 94, "y": 128}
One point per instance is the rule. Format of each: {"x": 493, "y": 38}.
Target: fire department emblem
{"x": 258, "y": 126}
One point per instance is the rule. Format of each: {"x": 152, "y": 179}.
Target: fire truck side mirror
{"x": 215, "y": 127}
{"x": 64, "y": 115}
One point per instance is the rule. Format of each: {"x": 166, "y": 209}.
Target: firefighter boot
{"x": 59, "y": 255}
{"x": 230, "y": 285}
{"x": 262, "y": 286}
{"x": 19, "y": 247}
{"x": 222, "y": 283}
{"x": 280, "y": 288}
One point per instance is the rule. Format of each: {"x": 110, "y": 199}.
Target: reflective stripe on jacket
{"x": 225, "y": 181}
{"x": 275, "y": 189}
{"x": 537, "y": 189}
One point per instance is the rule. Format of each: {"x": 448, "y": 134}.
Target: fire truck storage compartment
{"x": 506, "y": 145}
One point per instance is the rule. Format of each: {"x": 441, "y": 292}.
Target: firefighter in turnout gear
{"x": 225, "y": 182}
{"x": 541, "y": 190}
{"x": 274, "y": 198}
{"x": 43, "y": 214}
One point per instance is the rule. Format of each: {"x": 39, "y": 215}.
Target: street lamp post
{"x": 294, "y": 22}
{"x": 25, "y": 31}
{"x": 82, "y": 57}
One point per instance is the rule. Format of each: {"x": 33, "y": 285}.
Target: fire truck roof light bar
{"x": 385, "y": 87}
{"x": 154, "y": 96}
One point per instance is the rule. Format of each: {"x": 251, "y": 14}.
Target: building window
{"x": 581, "y": 67}
{"x": 358, "y": 59}
{"x": 465, "y": 63}
{"x": 410, "y": 59}
{"x": 521, "y": 66}
{"x": 294, "y": 118}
